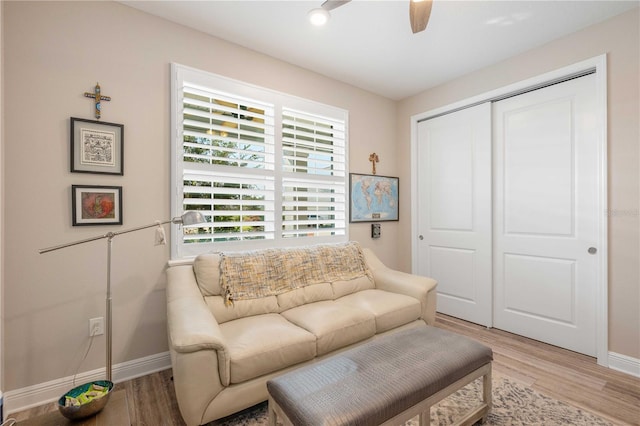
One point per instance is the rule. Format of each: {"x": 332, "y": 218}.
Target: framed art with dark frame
{"x": 97, "y": 147}
{"x": 373, "y": 198}
{"x": 96, "y": 205}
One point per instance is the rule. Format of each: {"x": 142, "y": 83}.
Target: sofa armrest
{"x": 191, "y": 325}
{"x": 422, "y": 288}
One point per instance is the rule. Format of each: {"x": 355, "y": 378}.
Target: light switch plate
{"x": 375, "y": 230}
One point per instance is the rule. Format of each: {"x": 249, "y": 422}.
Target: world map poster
{"x": 373, "y": 198}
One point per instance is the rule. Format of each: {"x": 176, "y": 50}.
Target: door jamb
{"x": 596, "y": 64}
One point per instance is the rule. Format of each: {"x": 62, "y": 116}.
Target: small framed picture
{"x": 96, "y": 205}
{"x": 97, "y": 147}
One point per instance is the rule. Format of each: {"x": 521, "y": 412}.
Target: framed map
{"x": 373, "y": 198}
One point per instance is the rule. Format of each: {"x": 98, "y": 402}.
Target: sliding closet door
{"x": 545, "y": 231}
{"x": 454, "y": 210}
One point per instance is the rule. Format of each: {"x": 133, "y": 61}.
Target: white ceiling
{"x": 369, "y": 44}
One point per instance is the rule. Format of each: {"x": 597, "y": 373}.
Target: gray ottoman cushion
{"x": 374, "y": 382}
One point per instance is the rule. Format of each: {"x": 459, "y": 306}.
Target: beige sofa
{"x": 227, "y": 339}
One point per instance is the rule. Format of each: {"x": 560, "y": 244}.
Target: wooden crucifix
{"x": 98, "y": 97}
{"x": 374, "y": 159}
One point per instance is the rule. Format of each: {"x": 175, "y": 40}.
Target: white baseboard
{"x": 624, "y": 363}
{"x": 32, "y": 396}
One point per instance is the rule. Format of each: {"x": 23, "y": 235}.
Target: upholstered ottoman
{"x": 386, "y": 381}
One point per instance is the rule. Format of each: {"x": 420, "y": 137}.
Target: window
{"x": 265, "y": 168}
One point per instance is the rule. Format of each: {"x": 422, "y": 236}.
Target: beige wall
{"x": 55, "y": 52}
{"x": 619, "y": 39}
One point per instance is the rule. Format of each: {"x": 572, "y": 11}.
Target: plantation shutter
{"x": 228, "y": 157}
{"x": 265, "y": 169}
{"x": 313, "y": 179}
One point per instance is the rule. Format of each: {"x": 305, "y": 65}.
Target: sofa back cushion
{"x": 304, "y": 295}
{"x": 241, "y": 308}
{"x": 344, "y": 287}
{"x": 206, "y": 268}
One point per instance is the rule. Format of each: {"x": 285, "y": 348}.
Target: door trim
{"x": 598, "y": 65}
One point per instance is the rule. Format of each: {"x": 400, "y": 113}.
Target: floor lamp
{"x": 188, "y": 218}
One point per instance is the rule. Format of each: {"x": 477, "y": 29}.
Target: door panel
{"x": 540, "y": 287}
{"x": 545, "y": 215}
{"x": 454, "y": 204}
{"x": 454, "y": 268}
{"x": 450, "y": 166}
{"x": 539, "y": 202}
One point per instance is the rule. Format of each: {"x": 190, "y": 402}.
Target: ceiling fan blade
{"x": 332, "y": 4}
{"x": 419, "y": 12}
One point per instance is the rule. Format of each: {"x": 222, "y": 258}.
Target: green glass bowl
{"x": 90, "y": 408}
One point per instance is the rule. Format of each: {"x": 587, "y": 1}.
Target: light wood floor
{"x": 562, "y": 374}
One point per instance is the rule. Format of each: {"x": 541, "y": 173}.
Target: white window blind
{"x": 313, "y": 181}
{"x": 264, "y": 168}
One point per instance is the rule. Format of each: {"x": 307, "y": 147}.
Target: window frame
{"x": 281, "y": 102}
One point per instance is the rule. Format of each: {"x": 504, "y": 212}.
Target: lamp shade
{"x": 189, "y": 218}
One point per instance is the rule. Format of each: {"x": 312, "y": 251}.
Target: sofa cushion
{"x": 391, "y": 310}
{"x": 263, "y": 344}
{"x": 304, "y": 295}
{"x": 242, "y": 308}
{"x": 342, "y": 288}
{"x": 206, "y": 268}
{"x": 334, "y": 325}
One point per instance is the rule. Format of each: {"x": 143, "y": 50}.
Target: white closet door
{"x": 454, "y": 205}
{"x": 545, "y": 230}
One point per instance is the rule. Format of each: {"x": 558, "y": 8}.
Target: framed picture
{"x": 97, "y": 147}
{"x": 373, "y": 198}
{"x": 96, "y": 205}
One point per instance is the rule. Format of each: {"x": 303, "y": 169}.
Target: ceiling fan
{"x": 419, "y": 12}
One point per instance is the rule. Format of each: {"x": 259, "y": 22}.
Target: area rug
{"x": 514, "y": 404}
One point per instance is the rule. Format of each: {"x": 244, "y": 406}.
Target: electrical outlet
{"x": 375, "y": 230}
{"x": 96, "y": 326}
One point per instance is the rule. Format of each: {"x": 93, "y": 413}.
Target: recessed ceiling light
{"x": 319, "y": 16}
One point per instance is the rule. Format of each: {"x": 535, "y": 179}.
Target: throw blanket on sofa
{"x": 269, "y": 272}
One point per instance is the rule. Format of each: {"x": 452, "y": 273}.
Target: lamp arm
{"x": 48, "y": 249}
{"x": 126, "y": 231}
{"x": 107, "y": 235}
